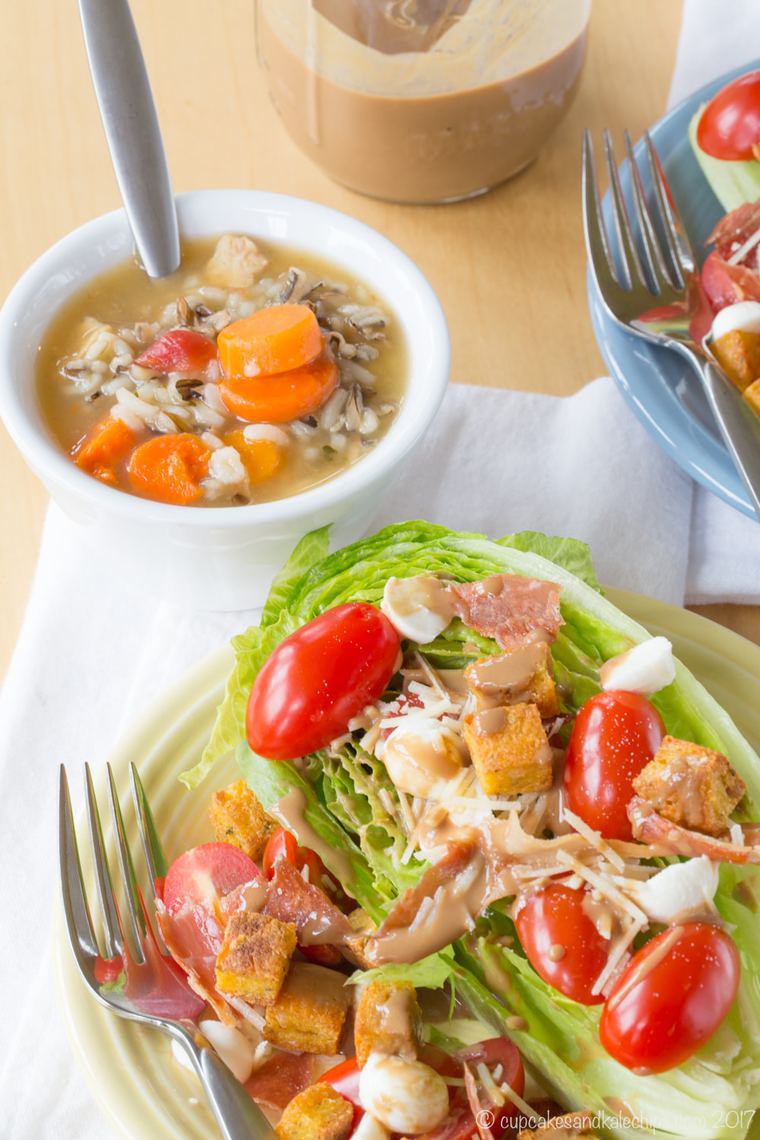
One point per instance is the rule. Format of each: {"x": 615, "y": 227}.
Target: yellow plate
{"x": 130, "y": 1068}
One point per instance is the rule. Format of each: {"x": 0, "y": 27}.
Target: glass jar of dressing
{"x": 421, "y": 100}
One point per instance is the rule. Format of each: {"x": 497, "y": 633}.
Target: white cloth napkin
{"x": 92, "y": 653}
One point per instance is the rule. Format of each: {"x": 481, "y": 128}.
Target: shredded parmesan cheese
{"x": 604, "y": 885}
{"x": 615, "y": 959}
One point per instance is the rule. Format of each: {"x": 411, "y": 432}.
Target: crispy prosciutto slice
{"x": 158, "y": 986}
{"x": 440, "y": 908}
{"x": 279, "y": 1079}
{"x": 193, "y": 936}
{"x": 317, "y": 920}
{"x": 651, "y": 828}
{"x": 733, "y": 230}
{"x": 511, "y": 609}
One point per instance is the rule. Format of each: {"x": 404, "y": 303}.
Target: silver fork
{"x": 236, "y": 1114}
{"x": 647, "y": 278}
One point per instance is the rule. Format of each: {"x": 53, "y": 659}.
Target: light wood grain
{"x": 493, "y": 261}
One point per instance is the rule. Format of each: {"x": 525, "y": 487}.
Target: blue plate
{"x": 659, "y": 386}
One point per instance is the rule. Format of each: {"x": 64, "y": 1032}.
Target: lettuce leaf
{"x": 570, "y": 553}
{"x": 732, "y": 181}
{"x": 431, "y": 973}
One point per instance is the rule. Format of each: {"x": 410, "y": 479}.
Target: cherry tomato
{"x": 107, "y": 970}
{"x": 729, "y": 126}
{"x": 460, "y": 1123}
{"x": 498, "y": 1051}
{"x": 180, "y": 350}
{"x": 615, "y": 735}
{"x": 344, "y": 1078}
{"x": 203, "y": 875}
{"x": 280, "y": 845}
{"x": 318, "y": 679}
{"x": 561, "y": 941}
{"x": 671, "y": 998}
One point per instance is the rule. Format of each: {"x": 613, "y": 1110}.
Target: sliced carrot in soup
{"x": 103, "y": 448}
{"x": 280, "y": 399}
{"x": 169, "y": 468}
{"x": 272, "y": 340}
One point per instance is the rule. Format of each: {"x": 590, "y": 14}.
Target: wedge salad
{"x": 485, "y": 826}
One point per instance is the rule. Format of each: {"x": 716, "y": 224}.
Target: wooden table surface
{"x": 492, "y": 261}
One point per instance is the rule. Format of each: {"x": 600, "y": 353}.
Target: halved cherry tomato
{"x": 561, "y": 941}
{"x": 615, "y": 735}
{"x": 203, "y": 875}
{"x": 180, "y": 350}
{"x": 671, "y": 998}
{"x": 280, "y": 845}
{"x": 107, "y": 970}
{"x": 729, "y": 127}
{"x": 281, "y": 398}
{"x": 318, "y": 678}
{"x": 498, "y": 1051}
{"x": 460, "y": 1123}
{"x": 344, "y": 1078}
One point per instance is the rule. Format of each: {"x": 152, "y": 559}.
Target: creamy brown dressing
{"x": 506, "y": 678}
{"x": 395, "y": 1015}
{"x": 418, "y": 760}
{"x": 290, "y": 812}
{"x": 424, "y": 109}
{"x": 442, "y": 918}
{"x": 489, "y": 722}
{"x": 428, "y": 592}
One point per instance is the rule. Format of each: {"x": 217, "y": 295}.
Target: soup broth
{"x": 252, "y": 406}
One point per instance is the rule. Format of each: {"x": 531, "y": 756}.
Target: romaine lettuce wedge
{"x": 350, "y": 803}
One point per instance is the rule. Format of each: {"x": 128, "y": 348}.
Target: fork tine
{"x": 628, "y": 252}
{"x": 154, "y": 853}
{"x": 114, "y": 941}
{"x": 656, "y": 264}
{"x": 131, "y": 892}
{"x": 75, "y": 906}
{"x": 597, "y": 245}
{"x": 681, "y": 251}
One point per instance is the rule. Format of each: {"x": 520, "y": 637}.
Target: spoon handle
{"x": 129, "y": 117}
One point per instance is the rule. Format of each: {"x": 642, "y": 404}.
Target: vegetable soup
{"x": 253, "y": 373}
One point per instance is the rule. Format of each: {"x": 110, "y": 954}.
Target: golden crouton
{"x": 692, "y": 786}
{"x": 519, "y": 675}
{"x": 510, "y": 750}
{"x": 387, "y": 1020}
{"x": 237, "y": 817}
{"x": 570, "y": 1127}
{"x": 310, "y": 1011}
{"x": 738, "y": 352}
{"x": 255, "y": 956}
{"x": 317, "y": 1113}
{"x": 752, "y": 396}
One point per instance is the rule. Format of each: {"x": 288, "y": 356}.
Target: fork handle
{"x": 238, "y": 1116}
{"x": 739, "y": 425}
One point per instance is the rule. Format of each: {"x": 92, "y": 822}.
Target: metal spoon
{"x": 122, "y": 89}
